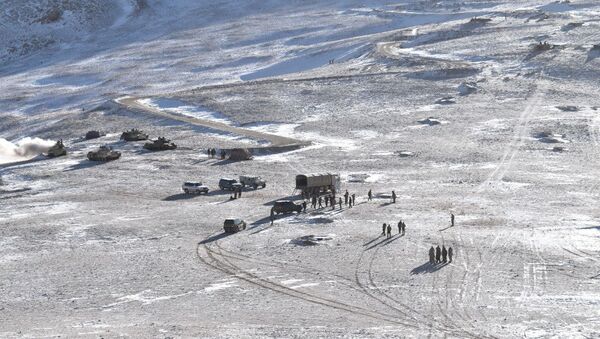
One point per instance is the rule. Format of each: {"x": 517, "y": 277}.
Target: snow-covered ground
{"x": 115, "y": 249}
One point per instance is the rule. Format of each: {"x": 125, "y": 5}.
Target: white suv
{"x": 194, "y": 188}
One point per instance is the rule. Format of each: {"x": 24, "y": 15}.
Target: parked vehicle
{"x": 160, "y": 144}
{"x": 190, "y": 187}
{"x": 229, "y": 184}
{"x": 317, "y": 184}
{"x": 253, "y": 181}
{"x": 134, "y": 135}
{"x": 93, "y": 135}
{"x": 234, "y": 225}
{"x": 286, "y": 206}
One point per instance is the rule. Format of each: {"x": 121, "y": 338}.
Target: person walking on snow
{"x": 389, "y": 231}
{"x": 400, "y": 227}
{"x": 431, "y": 256}
{"x": 346, "y": 197}
{"x": 393, "y": 197}
{"x": 451, "y": 219}
{"x": 444, "y": 254}
{"x": 403, "y": 228}
{"x": 370, "y": 195}
{"x": 353, "y": 199}
{"x": 320, "y": 202}
{"x": 449, "y": 254}
{"x": 383, "y": 229}
{"x": 326, "y": 201}
{"x": 438, "y": 254}
{"x": 304, "y": 206}
{"x": 332, "y": 203}
{"x": 340, "y": 201}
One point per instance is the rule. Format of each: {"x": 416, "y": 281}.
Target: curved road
{"x": 276, "y": 141}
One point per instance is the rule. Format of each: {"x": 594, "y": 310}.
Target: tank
{"x": 93, "y": 135}
{"x": 160, "y": 144}
{"x": 57, "y": 150}
{"x": 134, "y": 134}
{"x": 104, "y": 153}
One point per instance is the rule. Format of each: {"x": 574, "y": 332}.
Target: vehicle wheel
{"x": 264, "y": 185}
{"x": 221, "y": 188}
{"x": 255, "y": 187}
{"x": 186, "y": 191}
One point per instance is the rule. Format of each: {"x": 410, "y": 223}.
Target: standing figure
{"x": 444, "y": 254}
{"x": 383, "y": 229}
{"x": 452, "y": 219}
{"x": 346, "y": 197}
{"x": 400, "y": 227}
{"x": 208, "y": 152}
{"x": 213, "y": 152}
{"x": 389, "y": 231}
{"x": 370, "y": 196}
{"x": 353, "y": 199}
{"x": 393, "y": 197}
{"x": 450, "y": 254}
{"x": 304, "y": 206}
{"x": 438, "y": 254}
{"x": 332, "y": 203}
{"x": 340, "y": 201}
{"x": 326, "y": 201}
{"x": 403, "y": 228}
{"x": 314, "y": 201}
{"x": 272, "y": 217}
{"x": 320, "y": 202}
{"x": 431, "y": 256}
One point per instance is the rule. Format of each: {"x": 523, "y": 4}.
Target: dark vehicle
{"x": 234, "y": 225}
{"x": 134, "y": 135}
{"x": 93, "y": 135}
{"x": 229, "y": 184}
{"x": 286, "y": 206}
{"x": 253, "y": 181}
{"x": 57, "y": 150}
{"x": 104, "y": 153}
{"x": 160, "y": 144}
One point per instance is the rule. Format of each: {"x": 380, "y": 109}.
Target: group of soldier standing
{"x": 440, "y": 255}
{"x": 211, "y": 152}
{"x": 387, "y": 229}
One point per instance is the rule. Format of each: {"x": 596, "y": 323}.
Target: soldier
{"x": 350, "y": 203}
{"x": 450, "y": 254}
{"x": 451, "y": 219}
{"x": 223, "y": 154}
{"x": 346, "y": 198}
{"x": 400, "y": 227}
{"x": 383, "y": 229}
{"x": 444, "y": 254}
{"x": 353, "y": 199}
{"x": 332, "y": 203}
{"x": 389, "y": 231}
{"x": 340, "y": 201}
{"x": 272, "y": 217}
{"x": 239, "y": 192}
{"x": 393, "y": 197}
{"x": 314, "y": 201}
{"x": 438, "y": 254}
{"x": 320, "y": 202}
{"x": 403, "y": 228}
{"x": 208, "y": 152}
{"x": 326, "y": 201}
{"x": 304, "y": 206}
{"x": 213, "y": 152}
{"x": 370, "y": 195}
{"x": 431, "y": 256}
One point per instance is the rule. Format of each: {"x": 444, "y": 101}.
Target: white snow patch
{"x": 182, "y": 108}
{"x": 220, "y": 286}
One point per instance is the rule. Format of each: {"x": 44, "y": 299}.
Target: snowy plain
{"x": 116, "y": 249}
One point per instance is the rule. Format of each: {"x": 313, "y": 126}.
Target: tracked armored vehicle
{"x": 104, "y": 153}
{"x": 57, "y": 150}
{"x": 93, "y": 135}
{"x": 160, "y": 144}
{"x": 134, "y": 134}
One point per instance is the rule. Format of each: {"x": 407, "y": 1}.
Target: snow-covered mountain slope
{"x": 485, "y": 109}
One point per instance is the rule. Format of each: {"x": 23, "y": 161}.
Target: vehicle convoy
{"x": 104, "y": 153}
{"x": 190, "y": 187}
{"x": 233, "y": 225}
{"x": 286, "y": 206}
{"x": 229, "y": 184}
{"x": 160, "y": 144}
{"x": 134, "y": 134}
{"x": 253, "y": 181}
{"x": 57, "y": 150}
{"x": 317, "y": 184}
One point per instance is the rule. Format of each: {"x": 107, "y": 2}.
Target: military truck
{"x": 134, "y": 134}
{"x": 57, "y": 150}
{"x": 233, "y": 225}
{"x": 104, "y": 153}
{"x": 253, "y": 181}
{"x": 229, "y": 184}
{"x": 160, "y": 144}
{"x": 317, "y": 184}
